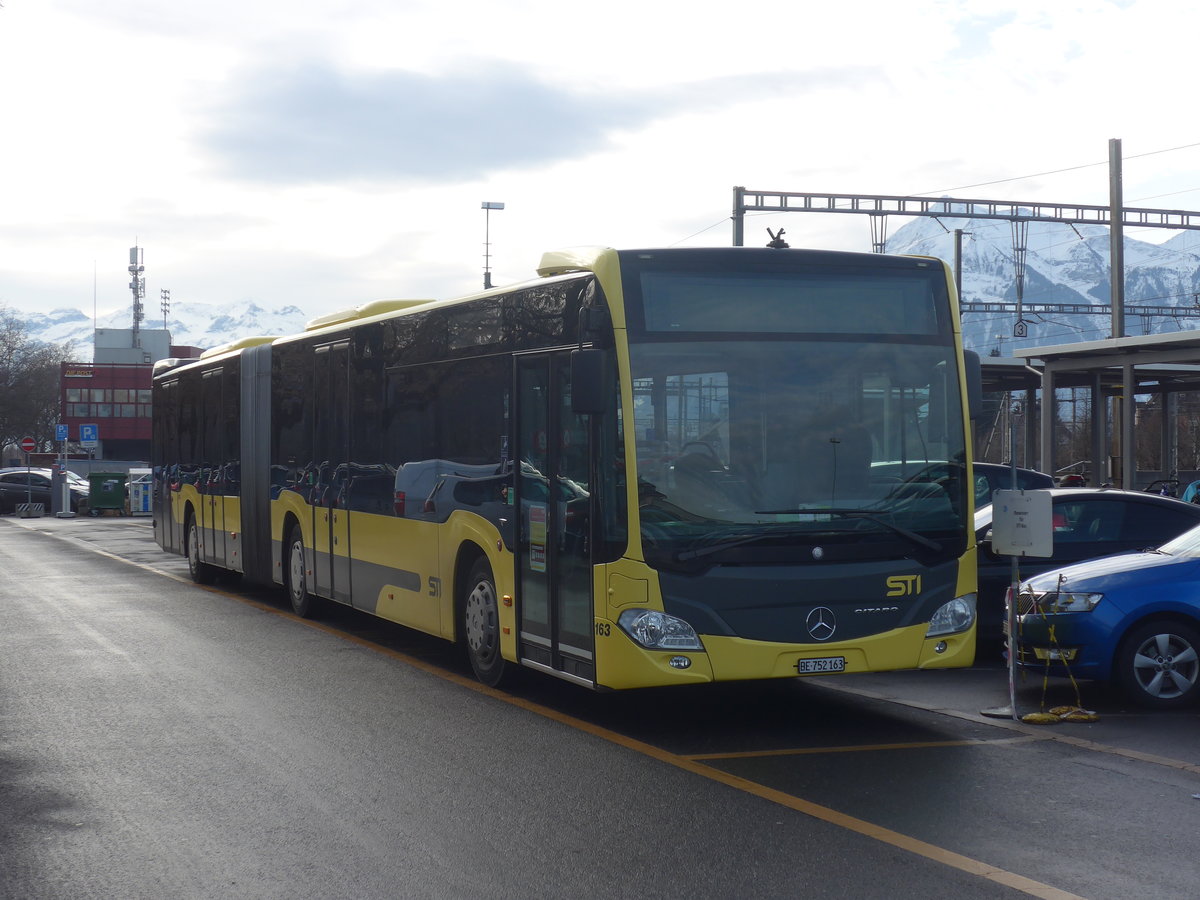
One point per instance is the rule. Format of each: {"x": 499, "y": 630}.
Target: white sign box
{"x": 1022, "y": 523}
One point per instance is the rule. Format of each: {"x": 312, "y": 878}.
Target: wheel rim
{"x": 193, "y": 548}
{"x": 481, "y": 627}
{"x": 296, "y": 571}
{"x": 1166, "y": 666}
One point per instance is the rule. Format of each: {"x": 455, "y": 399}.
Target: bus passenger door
{"x": 331, "y": 444}
{"x": 168, "y": 529}
{"x": 212, "y": 499}
{"x": 554, "y": 570}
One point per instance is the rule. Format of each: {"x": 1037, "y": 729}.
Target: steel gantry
{"x": 745, "y": 201}
{"x": 1020, "y": 214}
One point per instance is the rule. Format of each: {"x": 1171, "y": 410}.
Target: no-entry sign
{"x": 28, "y": 444}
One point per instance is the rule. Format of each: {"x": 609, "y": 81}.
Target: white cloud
{"x": 316, "y": 125}
{"x": 325, "y": 153}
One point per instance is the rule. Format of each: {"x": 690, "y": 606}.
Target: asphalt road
{"x": 158, "y": 739}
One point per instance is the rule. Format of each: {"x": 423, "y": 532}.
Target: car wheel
{"x": 481, "y": 625}
{"x": 200, "y": 572}
{"x": 1158, "y": 664}
{"x": 304, "y": 604}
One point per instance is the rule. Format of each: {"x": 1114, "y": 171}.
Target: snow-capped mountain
{"x": 1063, "y": 264}
{"x": 191, "y": 324}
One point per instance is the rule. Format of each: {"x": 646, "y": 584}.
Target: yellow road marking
{"x": 863, "y": 748}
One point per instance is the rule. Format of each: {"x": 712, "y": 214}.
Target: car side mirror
{"x": 985, "y": 543}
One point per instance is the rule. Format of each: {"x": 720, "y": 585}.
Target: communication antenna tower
{"x": 137, "y": 285}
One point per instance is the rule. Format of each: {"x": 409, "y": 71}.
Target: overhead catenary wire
{"x": 1104, "y": 162}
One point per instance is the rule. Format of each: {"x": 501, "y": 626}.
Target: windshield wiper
{"x": 685, "y": 555}
{"x": 872, "y": 515}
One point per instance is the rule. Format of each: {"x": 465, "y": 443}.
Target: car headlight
{"x": 658, "y": 631}
{"x": 953, "y": 617}
{"x": 1054, "y": 602}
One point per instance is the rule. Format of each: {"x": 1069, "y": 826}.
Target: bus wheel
{"x": 481, "y": 625}
{"x": 304, "y": 604}
{"x": 200, "y": 572}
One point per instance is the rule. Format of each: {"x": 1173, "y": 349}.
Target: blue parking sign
{"x": 60, "y": 433}
{"x": 89, "y": 435}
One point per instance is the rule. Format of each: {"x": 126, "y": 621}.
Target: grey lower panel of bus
{"x": 774, "y": 603}
{"x": 255, "y": 471}
{"x": 369, "y": 579}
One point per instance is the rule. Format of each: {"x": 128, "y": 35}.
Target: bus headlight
{"x": 953, "y": 617}
{"x": 657, "y": 631}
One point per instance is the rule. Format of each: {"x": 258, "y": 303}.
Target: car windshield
{"x": 773, "y": 443}
{"x": 1187, "y": 544}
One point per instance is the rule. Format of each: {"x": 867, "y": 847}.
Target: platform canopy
{"x": 1122, "y": 367}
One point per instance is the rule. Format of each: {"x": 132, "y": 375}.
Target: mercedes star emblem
{"x": 821, "y": 623}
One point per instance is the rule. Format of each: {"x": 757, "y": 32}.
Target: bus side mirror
{"x": 974, "y": 373}
{"x": 589, "y": 380}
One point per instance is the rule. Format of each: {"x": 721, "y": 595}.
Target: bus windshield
{"x": 797, "y": 439}
{"x": 750, "y": 445}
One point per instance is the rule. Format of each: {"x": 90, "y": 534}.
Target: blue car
{"x": 1132, "y": 620}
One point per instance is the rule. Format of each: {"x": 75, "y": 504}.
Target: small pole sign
{"x": 1022, "y": 523}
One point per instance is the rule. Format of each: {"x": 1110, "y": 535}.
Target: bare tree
{"x": 29, "y": 381}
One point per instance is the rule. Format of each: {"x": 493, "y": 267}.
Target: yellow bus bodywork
{"x": 422, "y": 559}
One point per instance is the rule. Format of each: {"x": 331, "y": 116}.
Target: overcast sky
{"x": 330, "y": 153}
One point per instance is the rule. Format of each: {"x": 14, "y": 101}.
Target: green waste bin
{"x": 107, "y": 491}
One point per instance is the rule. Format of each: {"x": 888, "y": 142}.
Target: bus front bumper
{"x": 623, "y": 664}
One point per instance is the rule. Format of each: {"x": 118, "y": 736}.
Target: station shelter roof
{"x": 1121, "y": 367}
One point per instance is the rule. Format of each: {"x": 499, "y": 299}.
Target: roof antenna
{"x": 777, "y": 241}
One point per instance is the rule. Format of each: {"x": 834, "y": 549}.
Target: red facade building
{"x": 115, "y": 397}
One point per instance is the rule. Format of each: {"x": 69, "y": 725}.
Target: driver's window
{"x": 681, "y": 416}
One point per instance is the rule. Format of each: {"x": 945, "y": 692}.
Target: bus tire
{"x": 481, "y": 625}
{"x": 199, "y": 572}
{"x": 304, "y": 604}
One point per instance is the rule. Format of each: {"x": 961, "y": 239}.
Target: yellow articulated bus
{"x": 645, "y": 467}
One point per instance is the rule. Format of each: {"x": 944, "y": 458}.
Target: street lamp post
{"x": 487, "y": 206}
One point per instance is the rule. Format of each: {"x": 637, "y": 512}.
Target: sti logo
{"x": 903, "y": 585}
